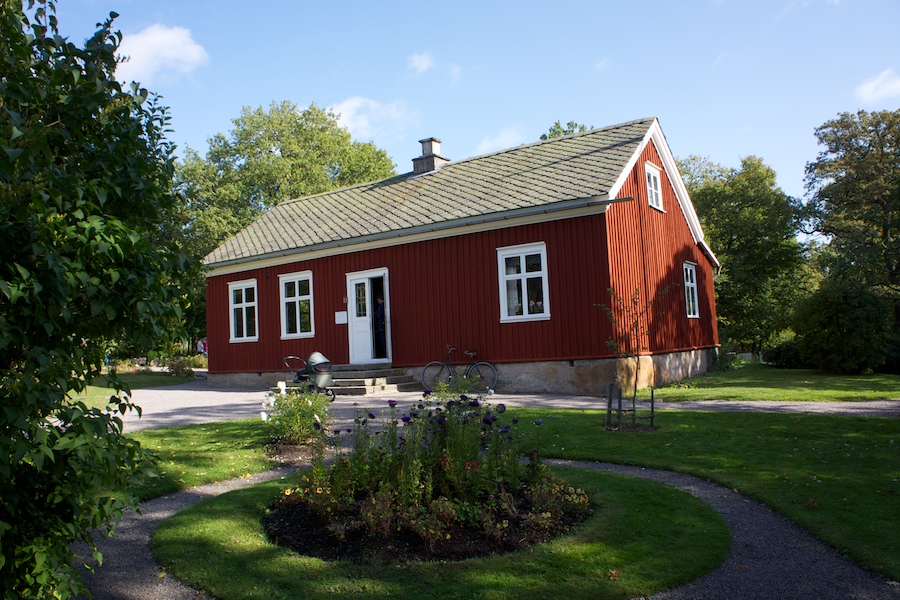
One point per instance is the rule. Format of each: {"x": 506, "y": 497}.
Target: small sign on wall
{"x": 340, "y": 317}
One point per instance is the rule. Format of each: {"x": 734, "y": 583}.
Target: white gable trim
{"x": 654, "y": 133}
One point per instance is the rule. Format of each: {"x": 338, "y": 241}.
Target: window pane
{"x": 535, "y": 295}
{"x": 238, "y": 319}
{"x": 514, "y": 297}
{"x": 290, "y": 289}
{"x": 290, "y": 318}
{"x": 305, "y": 320}
{"x": 237, "y": 296}
{"x": 251, "y": 321}
{"x": 533, "y": 263}
{"x": 361, "y": 300}
{"x": 303, "y": 286}
{"x": 250, "y": 294}
{"x": 513, "y": 265}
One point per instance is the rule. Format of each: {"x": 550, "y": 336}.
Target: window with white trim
{"x": 243, "y": 302}
{"x": 523, "y": 282}
{"x": 654, "y": 195}
{"x": 690, "y": 290}
{"x": 296, "y": 305}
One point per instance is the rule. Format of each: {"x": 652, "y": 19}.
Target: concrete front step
{"x": 362, "y": 380}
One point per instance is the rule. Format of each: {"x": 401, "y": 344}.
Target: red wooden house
{"x": 511, "y": 253}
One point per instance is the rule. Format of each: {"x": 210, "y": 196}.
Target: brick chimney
{"x": 430, "y": 159}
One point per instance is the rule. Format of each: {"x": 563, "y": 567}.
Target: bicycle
{"x": 482, "y": 373}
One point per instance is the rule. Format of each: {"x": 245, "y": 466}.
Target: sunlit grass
{"x": 193, "y": 455}
{"x": 643, "y": 537}
{"x": 838, "y": 477}
{"x": 763, "y": 382}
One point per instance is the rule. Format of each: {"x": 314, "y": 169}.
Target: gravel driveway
{"x": 769, "y": 557}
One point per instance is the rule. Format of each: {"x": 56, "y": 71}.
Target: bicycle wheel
{"x": 483, "y": 376}
{"x": 434, "y": 373}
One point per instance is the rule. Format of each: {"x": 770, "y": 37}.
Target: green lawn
{"x": 643, "y": 537}
{"x": 762, "y": 382}
{"x": 838, "y": 477}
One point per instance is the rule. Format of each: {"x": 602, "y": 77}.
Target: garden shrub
{"x": 179, "y": 365}
{"x": 297, "y": 417}
{"x": 784, "y": 352}
{"x": 843, "y": 329}
{"x": 443, "y": 467}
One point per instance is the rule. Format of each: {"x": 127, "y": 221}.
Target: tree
{"x": 751, "y": 225}
{"x": 854, "y": 197}
{"x": 85, "y": 184}
{"x": 557, "y": 130}
{"x": 843, "y": 328}
{"x": 268, "y": 157}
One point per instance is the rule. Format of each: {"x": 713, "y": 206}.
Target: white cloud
{"x": 505, "y": 139}
{"x": 368, "y": 119}
{"x": 421, "y": 62}
{"x": 885, "y": 85}
{"x": 602, "y": 64}
{"x": 159, "y": 50}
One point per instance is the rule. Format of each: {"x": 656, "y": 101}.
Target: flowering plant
{"x": 445, "y": 464}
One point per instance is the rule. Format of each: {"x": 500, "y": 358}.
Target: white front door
{"x": 362, "y": 307}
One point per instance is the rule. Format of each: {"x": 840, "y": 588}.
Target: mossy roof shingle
{"x": 583, "y": 165}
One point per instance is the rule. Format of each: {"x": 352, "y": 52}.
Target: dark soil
{"x": 294, "y": 525}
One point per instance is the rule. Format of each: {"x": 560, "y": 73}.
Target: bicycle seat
{"x": 471, "y": 353}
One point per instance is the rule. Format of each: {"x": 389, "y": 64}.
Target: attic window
{"x": 653, "y": 188}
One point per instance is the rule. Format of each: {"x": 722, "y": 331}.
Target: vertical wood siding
{"x": 648, "y": 250}
{"x": 441, "y": 292}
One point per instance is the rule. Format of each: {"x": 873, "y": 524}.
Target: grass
{"x": 763, "y": 382}
{"x": 97, "y": 396}
{"x": 838, "y": 477}
{"x": 643, "y": 537}
{"x": 193, "y": 455}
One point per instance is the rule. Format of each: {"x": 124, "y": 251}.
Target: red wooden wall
{"x": 649, "y": 249}
{"x": 441, "y": 292}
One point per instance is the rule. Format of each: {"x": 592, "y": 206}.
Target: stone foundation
{"x": 592, "y": 377}
{"x": 578, "y": 377}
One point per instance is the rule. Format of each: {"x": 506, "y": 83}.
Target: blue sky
{"x": 726, "y": 78}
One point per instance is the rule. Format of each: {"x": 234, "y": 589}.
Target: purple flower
{"x": 539, "y": 422}
{"x": 427, "y": 392}
{"x": 474, "y": 403}
{"x": 405, "y": 418}
{"x": 463, "y": 397}
{"x": 421, "y": 406}
{"x": 515, "y": 420}
{"x": 392, "y": 403}
{"x": 487, "y": 421}
{"x": 371, "y": 416}
{"x": 316, "y": 425}
{"x": 349, "y": 430}
{"x": 501, "y": 408}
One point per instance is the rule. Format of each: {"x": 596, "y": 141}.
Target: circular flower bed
{"x": 439, "y": 482}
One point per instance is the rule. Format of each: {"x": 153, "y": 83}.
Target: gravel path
{"x": 769, "y": 557}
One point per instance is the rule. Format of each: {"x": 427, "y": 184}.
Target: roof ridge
{"x": 553, "y": 140}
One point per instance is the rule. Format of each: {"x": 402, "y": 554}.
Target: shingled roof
{"x": 547, "y": 175}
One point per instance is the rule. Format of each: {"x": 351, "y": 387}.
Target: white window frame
{"x": 691, "y": 299}
{"x": 654, "y": 185}
{"x": 540, "y": 311}
{"x": 242, "y": 306}
{"x": 296, "y": 278}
